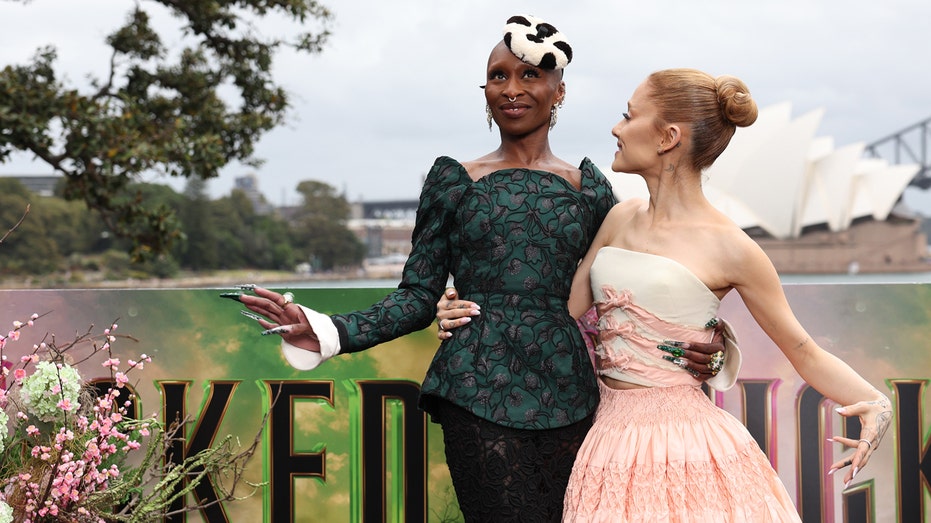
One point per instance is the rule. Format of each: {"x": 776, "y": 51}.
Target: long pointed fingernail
{"x": 247, "y": 286}
{"x": 231, "y": 295}
{"x": 671, "y": 350}
{"x": 831, "y": 472}
{"x": 855, "y": 470}
{"x": 281, "y": 329}
{"x": 251, "y": 315}
{"x": 711, "y": 323}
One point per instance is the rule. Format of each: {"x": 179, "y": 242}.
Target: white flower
{"x": 49, "y": 386}
{"x": 4, "y": 430}
{"x": 6, "y": 513}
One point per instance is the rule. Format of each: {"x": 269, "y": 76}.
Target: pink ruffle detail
{"x": 627, "y": 340}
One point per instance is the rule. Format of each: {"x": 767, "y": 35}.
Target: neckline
{"x": 585, "y": 173}
{"x": 671, "y": 261}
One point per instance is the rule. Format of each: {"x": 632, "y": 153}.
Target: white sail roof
{"x": 777, "y": 175}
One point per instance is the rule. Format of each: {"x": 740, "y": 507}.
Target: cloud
{"x": 396, "y": 86}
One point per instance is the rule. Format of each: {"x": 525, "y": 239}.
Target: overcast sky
{"x": 397, "y": 85}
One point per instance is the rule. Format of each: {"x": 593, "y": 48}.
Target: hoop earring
{"x": 553, "y": 116}
{"x": 488, "y": 116}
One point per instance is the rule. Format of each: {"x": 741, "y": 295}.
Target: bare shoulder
{"x": 748, "y": 261}
{"x": 620, "y": 216}
{"x": 630, "y": 205}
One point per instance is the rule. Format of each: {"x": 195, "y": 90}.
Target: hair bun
{"x": 738, "y": 106}
{"x": 536, "y": 42}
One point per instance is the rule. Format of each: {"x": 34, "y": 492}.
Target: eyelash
{"x": 626, "y": 116}
{"x": 532, "y": 73}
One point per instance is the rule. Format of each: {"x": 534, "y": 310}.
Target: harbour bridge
{"x": 910, "y": 145}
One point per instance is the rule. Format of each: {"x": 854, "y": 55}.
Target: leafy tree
{"x": 157, "y": 110}
{"x": 29, "y": 249}
{"x": 247, "y": 239}
{"x": 319, "y": 227}
{"x": 200, "y": 251}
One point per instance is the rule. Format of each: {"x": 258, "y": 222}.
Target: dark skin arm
{"x": 452, "y": 313}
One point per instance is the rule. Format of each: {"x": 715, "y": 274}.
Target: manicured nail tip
{"x": 855, "y": 470}
{"x": 831, "y": 472}
{"x": 466, "y": 319}
{"x": 839, "y": 410}
{"x": 247, "y": 286}
{"x": 276, "y": 330}
{"x": 847, "y": 484}
{"x": 250, "y": 315}
{"x": 231, "y": 295}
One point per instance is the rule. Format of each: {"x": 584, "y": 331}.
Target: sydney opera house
{"x": 813, "y": 207}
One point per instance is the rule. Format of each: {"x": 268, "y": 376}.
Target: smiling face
{"x": 519, "y": 94}
{"x": 637, "y": 135}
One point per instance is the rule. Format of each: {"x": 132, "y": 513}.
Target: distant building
{"x": 249, "y": 184}
{"x": 812, "y": 207}
{"x": 384, "y": 227}
{"x": 39, "y": 184}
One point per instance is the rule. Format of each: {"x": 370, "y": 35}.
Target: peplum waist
{"x": 505, "y": 297}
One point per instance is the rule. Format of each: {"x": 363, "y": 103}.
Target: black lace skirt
{"x": 505, "y": 474}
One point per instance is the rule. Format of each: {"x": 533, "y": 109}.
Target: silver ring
{"x": 870, "y": 445}
{"x": 440, "y": 324}
{"x": 716, "y": 363}
{"x": 512, "y": 100}
{"x": 288, "y": 298}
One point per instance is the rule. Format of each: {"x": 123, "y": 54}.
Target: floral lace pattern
{"x": 502, "y": 474}
{"x": 512, "y": 241}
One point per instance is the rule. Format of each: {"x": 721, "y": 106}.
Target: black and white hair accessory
{"x": 536, "y": 42}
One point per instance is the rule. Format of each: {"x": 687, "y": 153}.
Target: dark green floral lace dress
{"x": 512, "y": 241}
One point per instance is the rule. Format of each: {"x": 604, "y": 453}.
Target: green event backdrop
{"x": 346, "y": 443}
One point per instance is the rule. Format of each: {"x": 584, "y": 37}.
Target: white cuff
{"x": 323, "y": 327}
{"x": 732, "y": 361}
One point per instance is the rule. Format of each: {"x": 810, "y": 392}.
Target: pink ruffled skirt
{"x": 668, "y": 454}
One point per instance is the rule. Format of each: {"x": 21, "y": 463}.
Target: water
{"x": 892, "y": 277}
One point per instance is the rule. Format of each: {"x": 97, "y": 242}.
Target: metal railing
{"x": 910, "y": 145}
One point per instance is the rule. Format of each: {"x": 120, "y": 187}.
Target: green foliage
{"x": 185, "y": 111}
{"x": 226, "y": 233}
{"x": 320, "y": 230}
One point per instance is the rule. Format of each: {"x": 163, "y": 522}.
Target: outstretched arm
{"x": 759, "y": 286}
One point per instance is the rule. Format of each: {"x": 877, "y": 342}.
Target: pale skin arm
{"x": 758, "y": 285}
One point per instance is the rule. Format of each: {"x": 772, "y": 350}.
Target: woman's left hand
{"x": 875, "y": 418}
